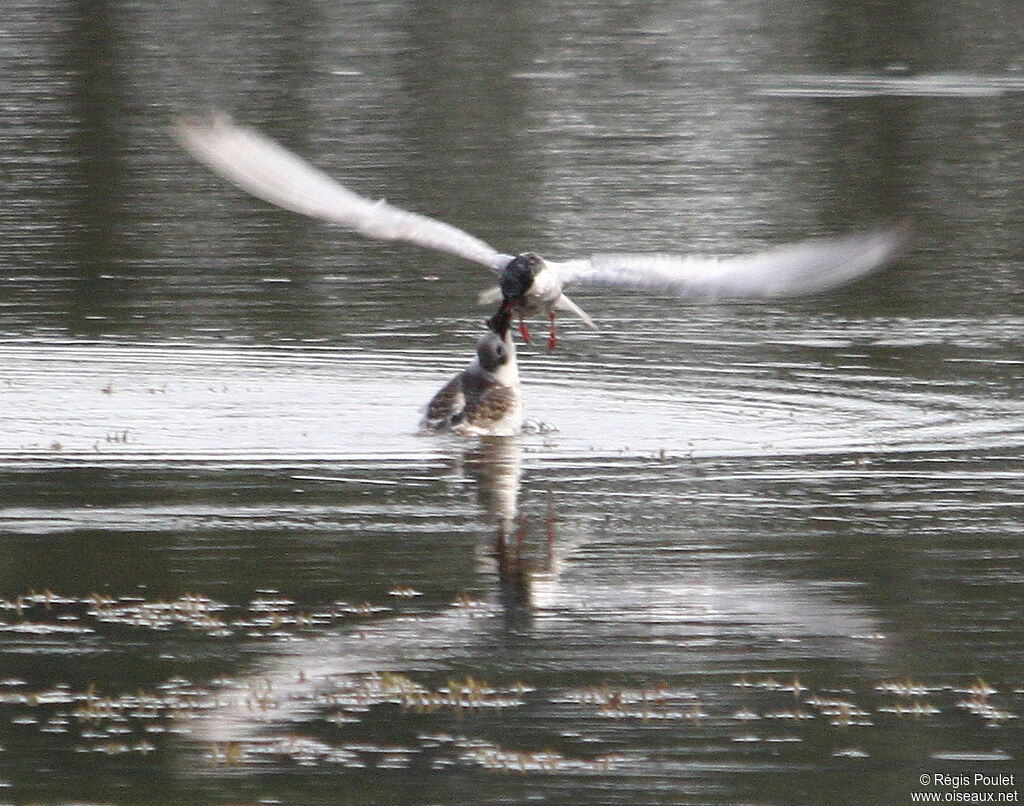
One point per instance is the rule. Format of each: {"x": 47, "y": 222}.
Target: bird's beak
{"x": 500, "y": 322}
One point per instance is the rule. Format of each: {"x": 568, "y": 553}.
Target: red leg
{"x": 552, "y": 335}
{"x": 524, "y": 331}
{"x": 520, "y": 534}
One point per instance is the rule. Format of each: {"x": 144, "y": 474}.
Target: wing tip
{"x": 187, "y": 128}
{"x": 903, "y": 236}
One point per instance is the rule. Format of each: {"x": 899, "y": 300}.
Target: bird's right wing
{"x": 805, "y": 267}
{"x": 271, "y": 172}
{"x": 444, "y": 405}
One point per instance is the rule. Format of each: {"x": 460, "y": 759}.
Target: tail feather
{"x": 563, "y": 303}
{"x": 490, "y": 296}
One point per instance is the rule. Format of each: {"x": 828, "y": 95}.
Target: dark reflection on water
{"x": 747, "y": 553}
{"x": 597, "y": 627}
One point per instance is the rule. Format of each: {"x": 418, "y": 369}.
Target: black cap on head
{"x": 518, "y": 274}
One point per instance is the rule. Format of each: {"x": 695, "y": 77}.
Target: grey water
{"x": 745, "y": 553}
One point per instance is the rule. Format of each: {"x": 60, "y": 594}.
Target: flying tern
{"x": 485, "y": 398}
{"x": 528, "y": 282}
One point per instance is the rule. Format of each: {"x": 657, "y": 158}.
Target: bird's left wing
{"x": 271, "y": 172}
{"x": 805, "y": 267}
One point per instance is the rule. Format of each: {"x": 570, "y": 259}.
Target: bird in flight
{"x": 529, "y": 283}
{"x": 485, "y": 398}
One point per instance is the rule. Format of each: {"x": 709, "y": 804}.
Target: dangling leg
{"x": 552, "y": 335}
{"x": 523, "y": 330}
{"x": 520, "y": 535}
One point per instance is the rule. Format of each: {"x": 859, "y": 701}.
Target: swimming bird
{"x": 529, "y": 283}
{"x": 485, "y": 398}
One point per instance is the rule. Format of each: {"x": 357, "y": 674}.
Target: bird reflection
{"x": 494, "y": 464}
{"x": 599, "y": 615}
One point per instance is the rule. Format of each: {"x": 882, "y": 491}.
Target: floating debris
{"x": 401, "y": 592}
{"x": 851, "y": 752}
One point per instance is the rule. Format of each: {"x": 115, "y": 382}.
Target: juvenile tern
{"x": 485, "y": 398}
{"x": 528, "y": 282}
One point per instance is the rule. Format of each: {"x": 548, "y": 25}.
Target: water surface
{"x": 745, "y": 553}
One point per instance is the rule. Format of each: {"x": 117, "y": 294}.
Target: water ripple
{"x": 860, "y": 390}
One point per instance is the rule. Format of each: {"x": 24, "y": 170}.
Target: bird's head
{"x": 492, "y": 352}
{"x": 518, "y": 276}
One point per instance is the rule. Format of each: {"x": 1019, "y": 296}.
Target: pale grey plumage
{"x": 791, "y": 269}
{"x": 269, "y": 171}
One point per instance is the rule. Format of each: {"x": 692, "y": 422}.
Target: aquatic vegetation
{"x": 312, "y": 718}
{"x": 190, "y": 610}
{"x": 474, "y": 608}
{"x": 494, "y": 757}
{"x": 906, "y": 688}
{"x": 361, "y": 692}
{"x": 265, "y": 615}
{"x": 662, "y": 702}
{"x": 916, "y": 709}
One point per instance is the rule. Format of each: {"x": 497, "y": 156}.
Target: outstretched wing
{"x": 271, "y": 172}
{"x": 801, "y": 268}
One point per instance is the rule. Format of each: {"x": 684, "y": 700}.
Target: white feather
{"x": 269, "y": 171}
{"x": 801, "y": 268}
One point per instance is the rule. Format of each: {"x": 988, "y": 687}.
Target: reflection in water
{"x": 197, "y": 496}
{"x": 495, "y": 464}
{"x": 495, "y": 467}
{"x": 100, "y": 251}
{"x": 310, "y": 668}
{"x": 543, "y": 588}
